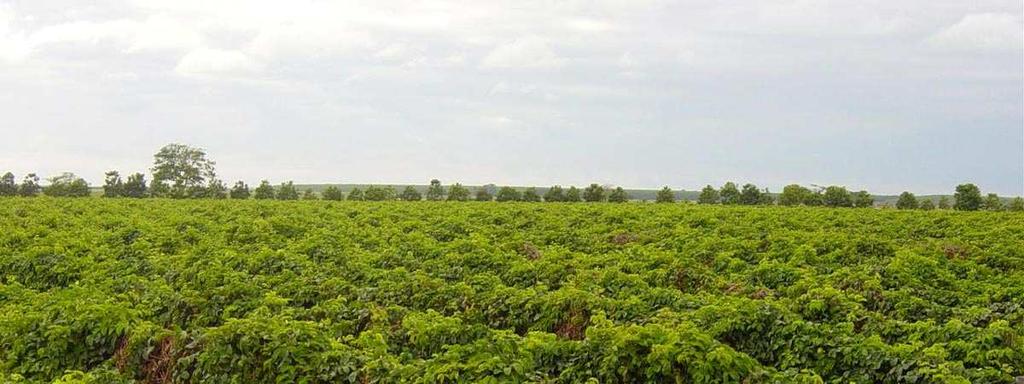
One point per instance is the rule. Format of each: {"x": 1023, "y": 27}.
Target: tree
{"x": 766, "y": 198}
{"x": 458, "y": 193}
{"x": 572, "y": 195}
{"x": 29, "y": 186}
{"x": 665, "y": 195}
{"x": 730, "y": 194}
{"x": 483, "y": 195}
{"x": 67, "y": 185}
{"x": 531, "y": 195}
{"x": 240, "y": 191}
{"x": 356, "y": 194}
{"x": 907, "y": 200}
{"x": 375, "y": 193}
{"x": 794, "y": 194}
{"x": 215, "y": 190}
{"x": 1017, "y": 205}
{"x": 135, "y": 186}
{"x": 507, "y": 194}
{"x": 967, "y": 198}
{"x": 926, "y": 205}
{"x": 113, "y": 186}
{"x": 708, "y": 195}
{"x": 618, "y": 195}
{"x": 287, "y": 191}
{"x": 410, "y": 194}
{"x": 264, "y": 191}
{"x": 435, "y": 192}
{"x": 863, "y": 199}
{"x": 181, "y": 171}
{"x": 815, "y": 199}
{"x": 943, "y": 202}
{"x": 333, "y": 193}
{"x": 993, "y": 203}
{"x": 750, "y": 195}
{"x": 593, "y": 193}
{"x": 554, "y": 194}
{"x": 308, "y": 194}
{"x": 8, "y": 186}
{"x": 837, "y": 196}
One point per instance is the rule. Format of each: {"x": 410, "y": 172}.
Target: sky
{"x": 879, "y": 95}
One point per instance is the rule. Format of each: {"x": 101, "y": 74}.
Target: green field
{"x": 224, "y": 291}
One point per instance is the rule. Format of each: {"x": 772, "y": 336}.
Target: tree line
{"x": 180, "y": 171}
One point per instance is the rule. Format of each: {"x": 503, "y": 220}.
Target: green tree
{"x": 593, "y": 193}
{"x": 943, "y": 202}
{"x": 750, "y": 195}
{"x": 730, "y": 194}
{"x": 993, "y": 202}
{"x": 181, "y": 171}
{"x": 618, "y": 195}
{"x": 287, "y": 191}
{"x": 926, "y": 205}
{"x": 1017, "y": 205}
{"x": 135, "y": 186}
{"x": 572, "y": 195}
{"x": 264, "y": 191}
{"x": 67, "y": 185}
{"x": 794, "y": 194}
{"x": 435, "y": 192}
{"x": 531, "y": 195}
{"x": 508, "y": 194}
{"x": 240, "y": 191}
{"x": 113, "y": 186}
{"x": 29, "y": 186}
{"x": 375, "y": 193}
{"x": 356, "y": 194}
{"x": 766, "y": 198}
{"x": 554, "y": 194}
{"x": 333, "y": 193}
{"x": 967, "y": 198}
{"x": 837, "y": 196}
{"x": 308, "y": 194}
{"x": 863, "y": 199}
{"x": 410, "y": 194}
{"x": 907, "y": 200}
{"x": 215, "y": 190}
{"x": 483, "y": 195}
{"x": 815, "y": 199}
{"x": 8, "y": 187}
{"x": 708, "y": 195}
{"x": 458, "y": 193}
{"x": 665, "y": 195}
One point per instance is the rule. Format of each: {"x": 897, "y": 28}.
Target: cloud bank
{"x": 871, "y": 94}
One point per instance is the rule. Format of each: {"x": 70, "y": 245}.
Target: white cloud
{"x": 156, "y": 33}
{"x": 207, "y": 61}
{"x": 13, "y": 47}
{"x": 982, "y": 31}
{"x": 672, "y": 72}
{"x": 589, "y": 25}
{"x": 164, "y": 33}
{"x": 526, "y": 52}
{"x": 306, "y": 38}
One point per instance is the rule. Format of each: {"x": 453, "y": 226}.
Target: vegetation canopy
{"x": 266, "y": 291}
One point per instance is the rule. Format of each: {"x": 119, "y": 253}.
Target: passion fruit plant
{"x": 164, "y": 291}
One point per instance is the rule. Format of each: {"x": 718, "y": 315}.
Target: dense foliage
{"x": 214, "y": 291}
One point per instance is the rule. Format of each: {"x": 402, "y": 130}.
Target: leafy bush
{"x": 264, "y": 291}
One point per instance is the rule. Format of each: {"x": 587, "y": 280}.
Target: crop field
{"x": 207, "y": 291}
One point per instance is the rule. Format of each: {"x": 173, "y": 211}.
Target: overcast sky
{"x": 879, "y": 95}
